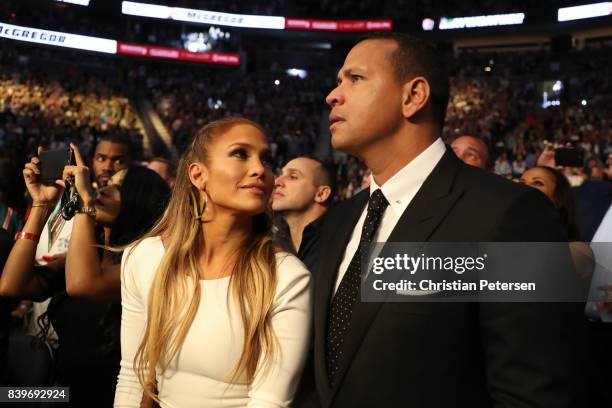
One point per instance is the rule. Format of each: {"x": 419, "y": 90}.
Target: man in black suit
{"x": 388, "y": 109}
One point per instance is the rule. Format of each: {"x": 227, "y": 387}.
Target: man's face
{"x": 109, "y": 158}
{"x": 367, "y": 101}
{"x": 471, "y": 151}
{"x": 295, "y": 189}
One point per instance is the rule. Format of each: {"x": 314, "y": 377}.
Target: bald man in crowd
{"x": 472, "y": 150}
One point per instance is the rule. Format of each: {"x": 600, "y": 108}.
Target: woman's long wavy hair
{"x": 175, "y": 292}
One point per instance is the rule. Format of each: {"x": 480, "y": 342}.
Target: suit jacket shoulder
{"x": 492, "y": 208}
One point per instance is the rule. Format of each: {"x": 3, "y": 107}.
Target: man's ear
{"x": 323, "y": 193}
{"x": 198, "y": 174}
{"x": 415, "y": 96}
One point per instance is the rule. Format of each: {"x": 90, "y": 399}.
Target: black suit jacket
{"x": 452, "y": 354}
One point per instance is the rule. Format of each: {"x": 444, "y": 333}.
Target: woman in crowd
{"x": 85, "y": 290}
{"x": 557, "y": 188}
{"x": 214, "y": 315}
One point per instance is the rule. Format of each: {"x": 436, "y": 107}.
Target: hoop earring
{"x": 197, "y": 213}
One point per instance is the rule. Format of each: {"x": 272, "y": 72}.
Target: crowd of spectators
{"x": 37, "y": 110}
{"x": 289, "y": 107}
{"x": 495, "y": 96}
{"x": 43, "y": 107}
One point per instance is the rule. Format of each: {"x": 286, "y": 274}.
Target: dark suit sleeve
{"x": 533, "y": 351}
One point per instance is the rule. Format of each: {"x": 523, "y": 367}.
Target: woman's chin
{"x": 103, "y": 219}
{"x": 253, "y": 211}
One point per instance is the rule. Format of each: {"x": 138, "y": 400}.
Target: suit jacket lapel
{"x": 427, "y": 209}
{"x": 431, "y": 204}
{"x": 331, "y": 250}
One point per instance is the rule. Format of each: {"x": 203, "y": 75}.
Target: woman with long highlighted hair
{"x": 214, "y": 315}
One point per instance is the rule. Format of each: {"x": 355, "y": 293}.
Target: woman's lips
{"x": 255, "y": 190}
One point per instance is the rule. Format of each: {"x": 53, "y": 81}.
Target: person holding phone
{"x": 84, "y": 292}
{"x": 112, "y": 153}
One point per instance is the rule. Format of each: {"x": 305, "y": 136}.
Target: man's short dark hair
{"x": 325, "y": 175}
{"x": 121, "y": 139}
{"x": 415, "y": 57}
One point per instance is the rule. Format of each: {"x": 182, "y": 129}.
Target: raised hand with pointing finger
{"x": 81, "y": 177}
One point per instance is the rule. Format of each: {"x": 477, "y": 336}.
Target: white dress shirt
{"x": 399, "y": 191}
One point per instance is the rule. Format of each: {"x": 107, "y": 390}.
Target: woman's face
{"x": 108, "y": 202}
{"x": 238, "y": 172}
{"x": 540, "y": 179}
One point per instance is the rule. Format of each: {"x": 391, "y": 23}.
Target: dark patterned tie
{"x": 348, "y": 291}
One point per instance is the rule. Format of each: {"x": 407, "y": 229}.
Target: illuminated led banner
{"x": 584, "y": 11}
{"x": 338, "y": 25}
{"x": 149, "y": 51}
{"x": 448, "y": 23}
{"x": 79, "y": 2}
{"x": 202, "y": 16}
{"x": 56, "y": 38}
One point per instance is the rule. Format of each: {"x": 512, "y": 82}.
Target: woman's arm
{"x": 129, "y": 393}
{"x": 86, "y": 275}
{"x": 18, "y": 279}
{"x": 275, "y": 385}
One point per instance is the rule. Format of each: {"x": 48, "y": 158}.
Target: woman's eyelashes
{"x": 240, "y": 153}
{"x": 267, "y": 161}
{"x": 243, "y": 154}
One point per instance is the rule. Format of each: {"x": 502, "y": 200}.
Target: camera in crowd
{"x": 52, "y": 165}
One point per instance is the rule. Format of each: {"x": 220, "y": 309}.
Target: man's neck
{"x": 393, "y": 154}
{"x": 297, "y": 221}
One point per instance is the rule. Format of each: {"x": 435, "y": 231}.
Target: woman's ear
{"x": 198, "y": 174}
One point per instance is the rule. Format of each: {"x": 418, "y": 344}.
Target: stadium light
{"x": 202, "y": 16}
{"x": 584, "y": 11}
{"x": 447, "y": 23}
{"x": 428, "y": 24}
{"x": 297, "y": 72}
{"x": 250, "y": 21}
{"x": 78, "y": 2}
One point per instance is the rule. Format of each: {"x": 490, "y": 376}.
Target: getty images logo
{"x": 29, "y": 34}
